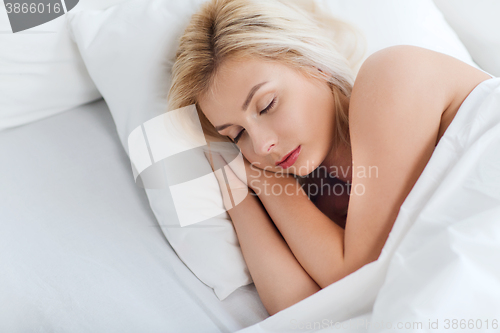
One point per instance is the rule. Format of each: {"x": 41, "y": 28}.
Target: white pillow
{"x": 476, "y": 23}
{"x": 393, "y": 22}
{"x": 41, "y": 71}
{"x": 129, "y": 50}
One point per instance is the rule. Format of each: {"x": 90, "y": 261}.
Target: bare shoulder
{"x": 420, "y": 61}
{"x": 397, "y": 102}
{"x": 431, "y": 77}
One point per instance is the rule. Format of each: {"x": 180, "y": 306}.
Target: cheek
{"x": 292, "y": 122}
{"x": 306, "y": 113}
{"x": 257, "y": 162}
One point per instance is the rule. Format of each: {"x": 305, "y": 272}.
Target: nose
{"x": 263, "y": 142}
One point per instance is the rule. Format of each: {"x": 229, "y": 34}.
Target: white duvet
{"x": 439, "y": 270}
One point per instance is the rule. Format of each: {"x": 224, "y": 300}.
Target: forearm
{"x": 278, "y": 277}
{"x": 316, "y": 241}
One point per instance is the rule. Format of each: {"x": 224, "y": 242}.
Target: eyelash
{"x": 269, "y": 107}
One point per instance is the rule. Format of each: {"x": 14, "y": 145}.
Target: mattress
{"x": 80, "y": 248}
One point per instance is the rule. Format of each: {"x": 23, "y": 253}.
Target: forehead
{"x": 235, "y": 78}
{"x": 231, "y": 85}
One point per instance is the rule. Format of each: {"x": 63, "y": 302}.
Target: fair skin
{"x": 403, "y": 99}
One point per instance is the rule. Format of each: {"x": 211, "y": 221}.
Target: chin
{"x": 302, "y": 170}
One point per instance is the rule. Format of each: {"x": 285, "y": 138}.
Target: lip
{"x": 289, "y": 158}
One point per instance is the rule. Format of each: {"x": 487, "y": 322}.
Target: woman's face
{"x": 271, "y": 110}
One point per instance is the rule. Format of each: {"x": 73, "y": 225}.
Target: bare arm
{"x": 315, "y": 240}
{"x": 278, "y": 277}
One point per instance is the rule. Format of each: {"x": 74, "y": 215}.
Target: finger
{"x": 226, "y": 195}
{"x": 236, "y": 174}
{"x": 216, "y": 160}
{"x": 237, "y": 166}
{"x": 209, "y": 158}
{"x": 217, "y": 164}
{"x": 237, "y": 189}
{"x": 231, "y": 156}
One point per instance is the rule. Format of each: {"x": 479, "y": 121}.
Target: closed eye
{"x": 269, "y": 107}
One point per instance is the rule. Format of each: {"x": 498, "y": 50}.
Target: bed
{"x": 81, "y": 249}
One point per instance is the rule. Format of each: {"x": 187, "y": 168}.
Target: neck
{"x": 340, "y": 157}
{"x": 339, "y": 162}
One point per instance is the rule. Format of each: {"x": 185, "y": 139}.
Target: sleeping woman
{"x": 268, "y": 76}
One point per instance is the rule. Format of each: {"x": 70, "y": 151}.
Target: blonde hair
{"x": 292, "y": 32}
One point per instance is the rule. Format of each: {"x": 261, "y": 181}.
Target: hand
{"x": 234, "y": 188}
{"x": 252, "y": 174}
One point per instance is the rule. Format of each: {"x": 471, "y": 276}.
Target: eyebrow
{"x": 244, "y": 107}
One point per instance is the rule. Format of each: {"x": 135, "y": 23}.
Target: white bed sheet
{"x": 81, "y": 250}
